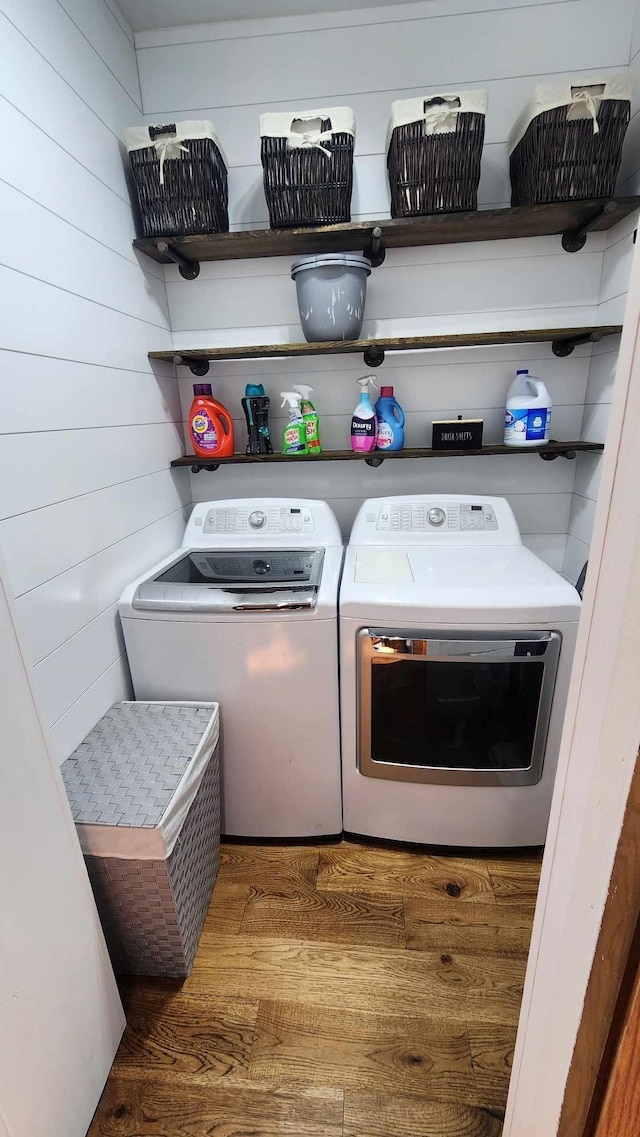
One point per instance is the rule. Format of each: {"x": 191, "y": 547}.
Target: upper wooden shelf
{"x": 568, "y": 218}
{"x": 563, "y": 341}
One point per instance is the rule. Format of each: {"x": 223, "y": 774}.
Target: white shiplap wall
{"x": 232, "y": 72}
{"x": 87, "y": 429}
{"x": 616, "y": 266}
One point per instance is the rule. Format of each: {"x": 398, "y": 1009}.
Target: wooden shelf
{"x": 566, "y": 218}
{"x": 563, "y": 341}
{"x": 548, "y": 453}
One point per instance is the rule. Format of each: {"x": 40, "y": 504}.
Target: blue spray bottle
{"x": 390, "y": 416}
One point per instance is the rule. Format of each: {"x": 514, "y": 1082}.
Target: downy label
{"x": 385, "y": 435}
{"x": 362, "y": 427}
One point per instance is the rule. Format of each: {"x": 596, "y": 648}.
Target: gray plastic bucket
{"x": 331, "y": 289}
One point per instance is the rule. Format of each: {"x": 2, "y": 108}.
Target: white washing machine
{"x": 245, "y": 613}
{"x": 456, "y": 652}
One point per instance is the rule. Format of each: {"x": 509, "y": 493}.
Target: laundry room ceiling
{"x": 144, "y": 15}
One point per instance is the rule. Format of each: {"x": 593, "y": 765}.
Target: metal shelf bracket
{"x": 375, "y": 252}
{"x": 188, "y": 269}
{"x": 563, "y": 348}
{"x": 568, "y": 454}
{"x": 373, "y": 356}
{"x": 199, "y": 367}
{"x": 574, "y": 239}
{"x": 209, "y": 469}
{"x": 374, "y": 462}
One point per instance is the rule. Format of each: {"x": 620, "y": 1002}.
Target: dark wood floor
{"x": 341, "y": 991}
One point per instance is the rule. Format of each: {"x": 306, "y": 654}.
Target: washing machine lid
{"x": 234, "y": 580}
{"x": 470, "y": 585}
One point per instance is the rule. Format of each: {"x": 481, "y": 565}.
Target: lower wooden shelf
{"x": 552, "y": 450}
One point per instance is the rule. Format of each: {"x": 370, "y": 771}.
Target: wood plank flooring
{"x": 338, "y": 991}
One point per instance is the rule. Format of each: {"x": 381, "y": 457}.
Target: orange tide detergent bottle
{"x": 210, "y": 425}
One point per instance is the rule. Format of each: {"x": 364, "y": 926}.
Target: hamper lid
{"x": 439, "y": 112}
{"x": 130, "y": 783}
{"x": 582, "y": 97}
{"x": 325, "y": 260}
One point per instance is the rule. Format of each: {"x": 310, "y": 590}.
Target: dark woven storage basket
{"x": 305, "y": 187}
{"x": 560, "y": 159}
{"x": 435, "y": 173}
{"x": 194, "y": 196}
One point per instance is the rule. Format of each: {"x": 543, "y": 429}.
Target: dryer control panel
{"x": 442, "y": 519}
{"x": 459, "y": 516}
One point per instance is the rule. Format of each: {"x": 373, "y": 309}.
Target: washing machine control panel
{"x": 447, "y": 517}
{"x": 240, "y": 519}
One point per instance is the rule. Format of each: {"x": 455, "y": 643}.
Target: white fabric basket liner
{"x": 438, "y": 118}
{"x": 302, "y": 128}
{"x": 129, "y": 842}
{"x": 581, "y": 97}
{"x": 169, "y": 145}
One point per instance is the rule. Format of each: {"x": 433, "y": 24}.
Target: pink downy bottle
{"x": 364, "y": 424}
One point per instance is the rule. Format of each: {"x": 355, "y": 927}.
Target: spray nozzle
{"x": 303, "y": 388}
{"x": 365, "y": 381}
{"x": 290, "y": 397}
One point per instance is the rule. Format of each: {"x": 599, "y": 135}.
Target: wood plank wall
{"x": 616, "y": 265}
{"x": 88, "y": 427}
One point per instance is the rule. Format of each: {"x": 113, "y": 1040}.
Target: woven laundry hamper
{"x": 567, "y": 143}
{"x": 144, "y": 790}
{"x": 434, "y": 148}
{"x": 180, "y": 175}
{"x": 307, "y": 164}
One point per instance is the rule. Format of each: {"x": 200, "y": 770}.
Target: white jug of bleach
{"x": 528, "y": 413}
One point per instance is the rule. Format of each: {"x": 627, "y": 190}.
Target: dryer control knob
{"x": 436, "y": 516}
{"x": 257, "y": 519}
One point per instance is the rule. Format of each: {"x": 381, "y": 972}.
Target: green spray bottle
{"x": 310, "y": 417}
{"x": 294, "y": 435}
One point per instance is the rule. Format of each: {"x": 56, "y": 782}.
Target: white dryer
{"x": 245, "y": 613}
{"x": 456, "y": 652}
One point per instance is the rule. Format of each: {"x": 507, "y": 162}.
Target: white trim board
{"x": 597, "y": 758}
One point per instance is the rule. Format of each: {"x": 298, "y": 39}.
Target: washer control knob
{"x": 261, "y": 567}
{"x": 436, "y": 516}
{"x": 257, "y": 519}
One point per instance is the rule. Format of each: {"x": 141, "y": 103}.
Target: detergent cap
{"x": 253, "y": 389}
{"x": 202, "y": 389}
{"x": 523, "y": 371}
{"x": 386, "y": 392}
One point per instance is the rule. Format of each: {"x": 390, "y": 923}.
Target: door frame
{"x": 62, "y": 1018}
{"x": 612, "y": 981}
{"x": 561, "y": 1042}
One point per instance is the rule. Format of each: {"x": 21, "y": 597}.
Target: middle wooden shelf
{"x": 562, "y": 340}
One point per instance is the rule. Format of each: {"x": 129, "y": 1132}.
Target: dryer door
{"x": 455, "y": 711}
